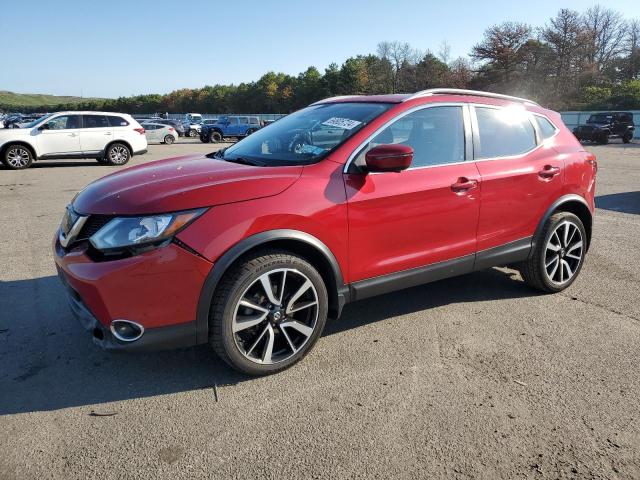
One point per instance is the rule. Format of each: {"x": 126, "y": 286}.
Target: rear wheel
{"x": 268, "y": 312}
{"x": 169, "y": 139}
{"x": 117, "y": 154}
{"x": 215, "y": 137}
{"x": 603, "y": 139}
{"x": 558, "y": 254}
{"x": 17, "y": 157}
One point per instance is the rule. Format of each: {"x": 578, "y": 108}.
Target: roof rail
{"x": 459, "y": 91}
{"x": 331, "y": 99}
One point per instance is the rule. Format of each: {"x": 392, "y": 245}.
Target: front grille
{"x": 92, "y": 225}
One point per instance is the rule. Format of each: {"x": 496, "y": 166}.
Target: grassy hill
{"x": 17, "y": 100}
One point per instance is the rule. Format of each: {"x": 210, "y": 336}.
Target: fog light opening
{"x": 98, "y": 333}
{"x": 126, "y": 330}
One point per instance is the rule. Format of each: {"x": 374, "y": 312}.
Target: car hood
{"x": 181, "y": 183}
{"x": 14, "y": 132}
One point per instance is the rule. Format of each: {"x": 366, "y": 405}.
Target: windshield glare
{"x": 305, "y": 136}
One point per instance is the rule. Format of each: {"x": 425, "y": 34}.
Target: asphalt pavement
{"x": 472, "y": 377}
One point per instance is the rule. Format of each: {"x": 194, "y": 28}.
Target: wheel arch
{"x": 294, "y": 241}
{"x": 124, "y": 142}
{"x": 31, "y": 148}
{"x": 568, "y": 203}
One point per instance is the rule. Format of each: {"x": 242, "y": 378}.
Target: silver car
{"x": 159, "y": 133}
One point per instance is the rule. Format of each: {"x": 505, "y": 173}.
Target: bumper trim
{"x": 159, "y": 338}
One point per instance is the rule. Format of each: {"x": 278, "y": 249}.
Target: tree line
{"x": 577, "y": 60}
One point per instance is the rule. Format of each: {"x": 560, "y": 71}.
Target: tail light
{"x": 139, "y": 130}
{"x": 171, "y": 129}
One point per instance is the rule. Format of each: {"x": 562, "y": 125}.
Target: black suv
{"x": 601, "y": 127}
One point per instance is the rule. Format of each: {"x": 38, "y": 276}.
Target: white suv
{"x": 111, "y": 138}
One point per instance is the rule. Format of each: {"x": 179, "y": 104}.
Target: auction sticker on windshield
{"x": 345, "y": 123}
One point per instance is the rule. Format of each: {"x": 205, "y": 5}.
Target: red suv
{"x": 251, "y": 248}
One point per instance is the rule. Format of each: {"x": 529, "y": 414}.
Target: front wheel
{"x": 192, "y": 133}
{"x": 215, "y": 137}
{"x": 117, "y": 154}
{"x": 558, "y": 254}
{"x": 268, "y": 312}
{"x": 627, "y": 137}
{"x": 17, "y": 157}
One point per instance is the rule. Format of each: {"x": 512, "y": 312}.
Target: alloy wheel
{"x": 17, "y": 157}
{"x": 275, "y": 316}
{"x": 119, "y": 154}
{"x": 564, "y": 253}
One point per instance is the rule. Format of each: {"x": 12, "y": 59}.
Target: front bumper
{"x": 159, "y": 290}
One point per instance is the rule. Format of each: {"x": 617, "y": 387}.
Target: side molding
{"x": 226, "y": 260}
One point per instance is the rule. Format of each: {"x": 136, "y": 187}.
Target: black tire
{"x": 117, "y": 154}
{"x": 250, "y": 131}
{"x": 169, "y": 139}
{"x": 235, "y": 285}
{"x": 204, "y": 138}
{"x": 192, "y": 133}
{"x": 534, "y": 271}
{"x": 17, "y": 157}
{"x": 603, "y": 139}
{"x": 215, "y": 137}
{"x": 627, "y": 137}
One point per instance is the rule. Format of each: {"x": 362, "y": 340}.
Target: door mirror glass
{"x": 389, "y": 158}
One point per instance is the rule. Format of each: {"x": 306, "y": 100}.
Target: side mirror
{"x": 389, "y": 158}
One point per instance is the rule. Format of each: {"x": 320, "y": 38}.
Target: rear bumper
{"x": 158, "y": 290}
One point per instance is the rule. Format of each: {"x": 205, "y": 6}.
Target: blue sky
{"x": 112, "y": 48}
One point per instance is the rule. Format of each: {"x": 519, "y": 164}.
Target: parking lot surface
{"x": 473, "y": 377}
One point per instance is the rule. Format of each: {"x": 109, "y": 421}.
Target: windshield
{"x": 599, "y": 118}
{"x": 305, "y": 136}
{"x": 37, "y": 121}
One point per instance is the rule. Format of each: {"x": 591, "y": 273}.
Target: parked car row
{"x": 110, "y": 138}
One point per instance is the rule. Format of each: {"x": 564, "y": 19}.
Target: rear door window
{"x": 503, "y": 132}
{"x": 95, "y": 121}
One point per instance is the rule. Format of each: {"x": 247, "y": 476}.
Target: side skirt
{"x": 509, "y": 253}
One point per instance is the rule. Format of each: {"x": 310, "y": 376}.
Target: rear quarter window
{"x": 547, "y": 129}
{"x": 117, "y": 121}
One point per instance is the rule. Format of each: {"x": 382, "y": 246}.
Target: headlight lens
{"x": 123, "y": 232}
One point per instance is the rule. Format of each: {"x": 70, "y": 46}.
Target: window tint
{"x": 64, "y": 122}
{"x": 233, "y": 121}
{"x": 243, "y": 120}
{"x": 94, "y": 121}
{"x": 546, "y": 128}
{"x": 117, "y": 121}
{"x": 625, "y": 117}
{"x": 436, "y": 135}
{"x": 504, "y": 132}
{"x": 254, "y": 121}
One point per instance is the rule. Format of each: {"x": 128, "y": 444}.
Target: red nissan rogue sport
{"x": 251, "y": 248}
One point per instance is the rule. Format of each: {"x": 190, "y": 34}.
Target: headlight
{"x": 124, "y": 232}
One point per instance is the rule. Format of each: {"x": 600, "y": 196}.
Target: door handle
{"x": 108, "y": 133}
{"x": 549, "y": 171}
{"x": 73, "y": 134}
{"x": 464, "y": 184}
